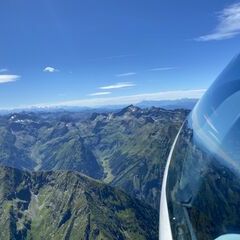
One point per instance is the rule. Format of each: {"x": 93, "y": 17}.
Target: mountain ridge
{"x": 127, "y": 149}
{"x": 77, "y": 207}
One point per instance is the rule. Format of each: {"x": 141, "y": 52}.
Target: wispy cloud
{"x": 228, "y": 24}
{"x": 124, "y": 100}
{"x": 2, "y": 70}
{"x": 161, "y": 69}
{"x": 99, "y": 93}
{"x": 114, "y": 57}
{"x": 8, "y": 78}
{"x": 118, "y": 85}
{"x": 120, "y": 56}
{"x": 126, "y": 74}
{"x": 50, "y": 69}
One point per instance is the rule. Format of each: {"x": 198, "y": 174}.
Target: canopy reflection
{"x": 202, "y": 187}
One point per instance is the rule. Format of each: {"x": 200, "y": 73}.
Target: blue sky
{"x": 75, "y": 52}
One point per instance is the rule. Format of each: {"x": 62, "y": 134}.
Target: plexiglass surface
{"x": 203, "y": 184}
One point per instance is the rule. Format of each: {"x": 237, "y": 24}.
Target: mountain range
{"x": 183, "y": 103}
{"x": 66, "y": 165}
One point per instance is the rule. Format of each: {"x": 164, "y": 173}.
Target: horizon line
{"x": 118, "y": 100}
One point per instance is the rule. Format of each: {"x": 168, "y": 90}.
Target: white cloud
{"x": 119, "y": 85}
{"x": 99, "y": 93}
{"x": 228, "y": 24}
{"x": 162, "y": 69}
{"x": 8, "y": 78}
{"x": 3, "y": 70}
{"x": 50, "y": 69}
{"x": 126, "y": 74}
{"x": 124, "y": 100}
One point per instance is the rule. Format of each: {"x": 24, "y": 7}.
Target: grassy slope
{"x": 67, "y": 205}
{"x": 127, "y": 149}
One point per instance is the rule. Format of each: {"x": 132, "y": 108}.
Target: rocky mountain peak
{"x": 131, "y": 109}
